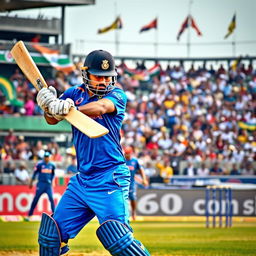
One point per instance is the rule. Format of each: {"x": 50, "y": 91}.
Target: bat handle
{"x": 39, "y": 84}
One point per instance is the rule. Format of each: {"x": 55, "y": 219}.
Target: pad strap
{"x": 119, "y": 241}
{"x": 49, "y": 237}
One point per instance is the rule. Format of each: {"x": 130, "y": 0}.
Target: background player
{"x": 101, "y": 186}
{"x": 44, "y": 170}
{"x": 135, "y": 168}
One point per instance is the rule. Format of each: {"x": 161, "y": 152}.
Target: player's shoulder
{"x": 40, "y": 162}
{"x": 52, "y": 164}
{"x": 118, "y": 89}
{"x": 117, "y": 93}
{"x": 74, "y": 89}
{"x": 134, "y": 159}
{"x": 80, "y": 87}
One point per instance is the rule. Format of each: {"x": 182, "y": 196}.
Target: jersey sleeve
{"x": 138, "y": 166}
{"x": 119, "y": 98}
{"x": 36, "y": 171}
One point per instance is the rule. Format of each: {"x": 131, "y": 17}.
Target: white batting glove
{"x": 59, "y": 108}
{"x": 45, "y": 96}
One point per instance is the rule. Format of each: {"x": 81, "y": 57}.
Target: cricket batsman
{"x": 102, "y": 185}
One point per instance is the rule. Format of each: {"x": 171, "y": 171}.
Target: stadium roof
{"x": 12, "y": 5}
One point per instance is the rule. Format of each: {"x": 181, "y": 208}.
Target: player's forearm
{"x": 97, "y": 108}
{"x": 144, "y": 177}
{"x": 31, "y": 183}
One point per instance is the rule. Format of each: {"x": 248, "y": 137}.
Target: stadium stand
{"x": 199, "y": 115}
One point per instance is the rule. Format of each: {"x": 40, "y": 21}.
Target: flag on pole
{"x": 184, "y": 25}
{"x": 58, "y": 61}
{"x": 231, "y": 27}
{"x": 142, "y": 75}
{"x": 194, "y": 26}
{"x": 117, "y": 24}
{"x": 189, "y": 21}
{"x": 152, "y": 24}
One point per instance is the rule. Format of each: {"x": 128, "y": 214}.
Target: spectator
{"x": 216, "y": 170}
{"x": 29, "y": 105}
{"x": 248, "y": 169}
{"x": 203, "y": 171}
{"x": 165, "y": 169}
{"x": 190, "y": 170}
{"x": 191, "y": 114}
{"x": 21, "y": 174}
{"x": 9, "y": 167}
{"x": 234, "y": 170}
{"x": 10, "y": 139}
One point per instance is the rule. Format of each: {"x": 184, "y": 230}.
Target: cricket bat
{"x": 81, "y": 121}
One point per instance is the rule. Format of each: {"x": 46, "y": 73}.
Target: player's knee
{"x": 49, "y": 238}
{"x": 119, "y": 241}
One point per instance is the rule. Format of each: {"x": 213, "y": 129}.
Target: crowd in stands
{"x": 203, "y": 116}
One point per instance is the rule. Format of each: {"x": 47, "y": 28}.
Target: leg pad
{"x": 119, "y": 241}
{"x": 49, "y": 237}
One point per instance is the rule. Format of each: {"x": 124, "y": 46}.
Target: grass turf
{"x": 161, "y": 239}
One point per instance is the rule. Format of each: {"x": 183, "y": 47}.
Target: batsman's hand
{"x": 45, "y": 96}
{"x": 60, "y": 108}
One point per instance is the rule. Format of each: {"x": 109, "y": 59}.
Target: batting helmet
{"x": 99, "y": 63}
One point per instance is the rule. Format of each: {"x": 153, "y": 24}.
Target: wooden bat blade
{"x": 27, "y": 65}
{"x": 81, "y": 121}
{"x": 84, "y": 122}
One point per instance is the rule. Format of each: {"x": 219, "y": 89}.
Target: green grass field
{"x": 161, "y": 238}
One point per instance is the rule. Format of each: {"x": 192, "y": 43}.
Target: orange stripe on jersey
{"x": 46, "y": 171}
{"x": 80, "y": 88}
{"x": 131, "y": 168}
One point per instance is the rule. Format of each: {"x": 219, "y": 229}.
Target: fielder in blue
{"x": 135, "y": 168}
{"x": 44, "y": 171}
{"x": 102, "y": 185}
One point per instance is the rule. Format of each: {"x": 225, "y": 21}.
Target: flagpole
{"x": 156, "y": 38}
{"x": 117, "y": 41}
{"x": 234, "y": 43}
{"x": 189, "y": 25}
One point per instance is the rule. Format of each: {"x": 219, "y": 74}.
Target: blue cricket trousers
{"x": 42, "y": 187}
{"x": 102, "y": 194}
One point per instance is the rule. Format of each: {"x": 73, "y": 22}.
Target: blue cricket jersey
{"x": 99, "y": 154}
{"x": 134, "y": 166}
{"x": 44, "y": 171}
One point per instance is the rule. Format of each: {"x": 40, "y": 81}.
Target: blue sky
{"x": 211, "y": 16}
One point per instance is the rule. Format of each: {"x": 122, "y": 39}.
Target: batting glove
{"x": 45, "y": 96}
{"x": 60, "y": 108}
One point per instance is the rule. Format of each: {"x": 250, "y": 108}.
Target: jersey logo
{"x": 119, "y": 96}
{"x": 131, "y": 167}
{"x": 79, "y": 100}
{"x": 111, "y": 192}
